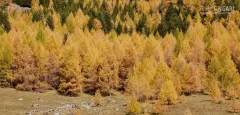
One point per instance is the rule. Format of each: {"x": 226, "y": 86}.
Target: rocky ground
{"x": 21, "y": 103}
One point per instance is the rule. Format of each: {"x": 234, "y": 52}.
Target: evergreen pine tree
{"x": 4, "y": 20}
{"x": 50, "y": 22}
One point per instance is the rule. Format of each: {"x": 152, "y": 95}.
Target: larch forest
{"x": 148, "y": 50}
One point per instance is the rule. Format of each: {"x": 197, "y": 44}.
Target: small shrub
{"x": 33, "y": 85}
{"x": 134, "y": 107}
{"x": 182, "y": 99}
{"x": 231, "y": 92}
{"x": 4, "y": 82}
{"x": 158, "y": 108}
{"x": 97, "y": 98}
{"x": 235, "y": 107}
{"x": 215, "y": 92}
{"x": 168, "y": 93}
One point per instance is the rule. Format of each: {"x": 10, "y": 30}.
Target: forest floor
{"x": 14, "y": 102}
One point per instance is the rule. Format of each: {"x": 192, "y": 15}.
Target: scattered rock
{"x": 56, "y": 113}
{"x": 68, "y": 107}
{"x": 125, "y": 104}
{"x": 45, "y": 113}
{"x": 87, "y": 106}
{"x": 39, "y": 99}
{"x": 20, "y": 99}
{"x": 35, "y": 105}
{"x": 34, "y": 111}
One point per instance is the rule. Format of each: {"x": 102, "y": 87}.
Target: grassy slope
{"x": 114, "y": 105}
{"x": 200, "y": 105}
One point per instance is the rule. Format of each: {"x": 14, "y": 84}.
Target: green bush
{"x": 37, "y": 16}
{"x": 4, "y": 20}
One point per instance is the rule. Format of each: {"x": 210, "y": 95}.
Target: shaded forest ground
{"x": 16, "y": 103}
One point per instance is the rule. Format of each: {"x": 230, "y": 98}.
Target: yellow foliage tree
{"x": 168, "y": 44}
{"x": 35, "y": 5}
{"x": 168, "y": 93}
{"x": 153, "y": 49}
{"x": 98, "y": 98}
{"x": 134, "y": 107}
{"x": 163, "y": 74}
{"x": 224, "y": 70}
{"x": 107, "y": 68}
{"x": 139, "y": 83}
{"x": 71, "y": 23}
{"x": 70, "y": 73}
{"x": 215, "y": 92}
{"x": 6, "y": 58}
{"x": 130, "y": 56}
{"x": 191, "y": 79}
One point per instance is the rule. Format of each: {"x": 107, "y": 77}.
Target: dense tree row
{"x": 125, "y": 16}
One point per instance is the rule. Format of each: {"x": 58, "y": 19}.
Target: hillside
{"x": 148, "y": 51}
